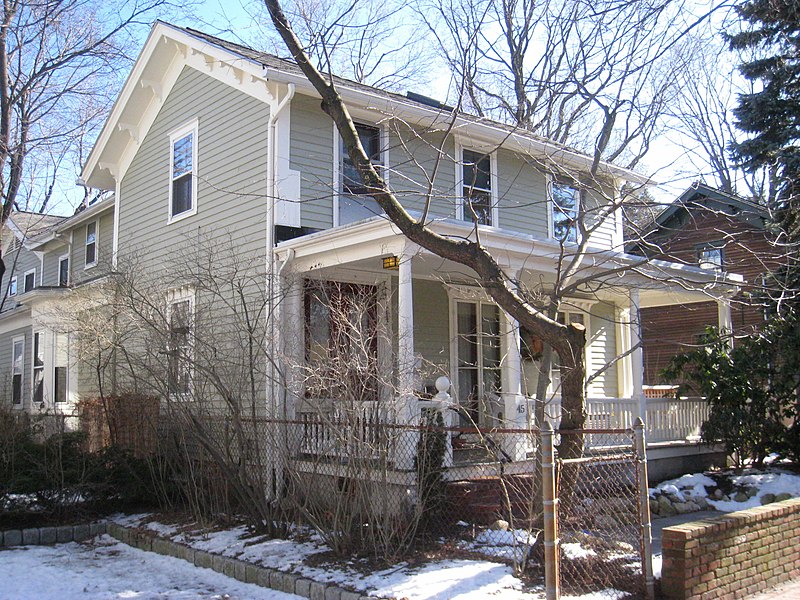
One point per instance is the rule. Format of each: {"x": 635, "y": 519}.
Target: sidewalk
{"x": 786, "y": 591}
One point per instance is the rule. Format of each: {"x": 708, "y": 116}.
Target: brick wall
{"x": 734, "y": 555}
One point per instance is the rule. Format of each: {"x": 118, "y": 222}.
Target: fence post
{"x": 550, "y": 505}
{"x": 644, "y": 507}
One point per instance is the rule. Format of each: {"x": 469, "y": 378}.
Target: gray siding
{"x": 522, "y": 195}
{"x": 105, "y": 247}
{"x": 17, "y": 263}
{"x": 311, "y": 153}
{"x": 602, "y": 350}
{"x": 231, "y": 172}
{"x": 432, "y": 328}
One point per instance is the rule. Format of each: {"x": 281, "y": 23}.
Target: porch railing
{"x": 668, "y": 419}
{"x": 338, "y": 431}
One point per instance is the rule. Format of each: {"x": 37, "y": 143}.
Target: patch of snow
{"x": 672, "y": 489}
{"x": 575, "y": 551}
{"x": 770, "y": 482}
{"x": 107, "y": 569}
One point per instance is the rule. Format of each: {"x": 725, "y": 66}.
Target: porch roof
{"x": 363, "y": 244}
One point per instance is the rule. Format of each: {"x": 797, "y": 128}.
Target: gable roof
{"x": 170, "y": 48}
{"x": 26, "y": 225}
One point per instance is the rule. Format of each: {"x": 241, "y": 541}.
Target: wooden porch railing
{"x": 337, "y": 431}
{"x": 668, "y": 419}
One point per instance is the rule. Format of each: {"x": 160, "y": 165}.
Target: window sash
{"x": 91, "y": 243}
{"x": 37, "y": 386}
{"x": 710, "y": 257}
{"x": 30, "y": 281}
{"x": 478, "y": 357}
{"x": 476, "y": 190}
{"x": 17, "y": 370}
{"x": 352, "y": 183}
{"x": 182, "y": 167}
{"x": 12, "y": 287}
{"x": 566, "y": 201}
{"x": 179, "y": 347}
{"x": 63, "y": 272}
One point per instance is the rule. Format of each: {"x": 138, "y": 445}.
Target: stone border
{"x": 43, "y": 536}
{"x": 232, "y": 567}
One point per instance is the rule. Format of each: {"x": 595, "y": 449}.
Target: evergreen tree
{"x": 772, "y": 115}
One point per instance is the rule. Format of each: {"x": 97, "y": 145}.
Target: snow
{"x": 105, "y": 569}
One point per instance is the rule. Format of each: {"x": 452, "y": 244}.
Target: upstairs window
{"x": 30, "y": 281}
{"x": 565, "y": 200}
{"x": 12, "y": 287}
{"x": 476, "y": 193}
{"x": 17, "y": 365}
{"x": 355, "y": 203}
{"x": 710, "y": 256}
{"x": 183, "y": 172}
{"x": 63, "y": 271}
{"x": 60, "y": 367}
{"x": 91, "y": 244}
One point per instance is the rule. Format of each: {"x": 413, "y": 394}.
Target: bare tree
{"x": 59, "y": 63}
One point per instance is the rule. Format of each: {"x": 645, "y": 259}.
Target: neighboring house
{"x": 718, "y": 232}
{"x": 47, "y": 257}
{"x": 211, "y": 140}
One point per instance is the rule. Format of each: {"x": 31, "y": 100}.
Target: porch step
{"x": 482, "y": 500}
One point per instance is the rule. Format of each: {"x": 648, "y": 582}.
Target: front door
{"x": 478, "y": 356}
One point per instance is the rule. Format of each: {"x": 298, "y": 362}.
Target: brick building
{"x": 712, "y": 230}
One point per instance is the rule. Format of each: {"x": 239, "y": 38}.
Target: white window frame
{"x": 551, "y": 211}
{"x": 18, "y": 370}
{"x": 61, "y": 259}
{"x": 494, "y": 180}
{"x": 186, "y": 294}
{"x": 706, "y": 265}
{"x": 190, "y": 128}
{"x": 337, "y": 162}
{"x": 12, "y": 287}
{"x": 95, "y": 243}
{"x": 25, "y": 278}
{"x": 34, "y": 368}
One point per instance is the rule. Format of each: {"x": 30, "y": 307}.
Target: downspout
{"x": 272, "y": 171}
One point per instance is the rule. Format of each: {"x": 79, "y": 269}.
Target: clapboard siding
{"x": 231, "y": 171}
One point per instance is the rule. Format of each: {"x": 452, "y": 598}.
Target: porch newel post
{"x": 407, "y": 411}
{"x": 637, "y": 356}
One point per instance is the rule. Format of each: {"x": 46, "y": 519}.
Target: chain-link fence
{"x": 370, "y": 486}
{"x": 600, "y": 517}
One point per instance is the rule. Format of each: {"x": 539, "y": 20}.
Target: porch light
{"x": 391, "y": 262}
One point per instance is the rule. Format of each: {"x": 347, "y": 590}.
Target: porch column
{"x": 292, "y": 346}
{"x": 724, "y": 319}
{"x": 407, "y": 409}
{"x": 637, "y": 356}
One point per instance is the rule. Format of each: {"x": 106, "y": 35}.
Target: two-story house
{"x": 717, "y": 232}
{"x": 213, "y": 141}
{"x": 46, "y": 258}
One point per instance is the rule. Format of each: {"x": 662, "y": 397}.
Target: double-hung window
{"x": 183, "y": 172}
{"x": 38, "y": 367}
{"x": 63, "y": 271}
{"x": 180, "y": 321}
{"x": 565, "y": 199}
{"x": 12, "y": 287}
{"x": 355, "y": 203}
{"x": 29, "y": 281}
{"x": 60, "y": 367}
{"x": 476, "y": 193}
{"x": 17, "y": 370}
{"x": 91, "y": 244}
{"x": 710, "y": 256}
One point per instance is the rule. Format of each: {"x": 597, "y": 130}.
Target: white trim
{"x": 96, "y": 243}
{"x": 175, "y": 296}
{"x": 61, "y": 259}
{"x": 25, "y": 277}
{"x": 461, "y": 145}
{"x": 190, "y": 128}
{"x": 14, "y": 341}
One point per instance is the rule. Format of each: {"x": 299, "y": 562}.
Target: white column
{"x": 511, "y": 370}
{"x": 292, "y": 345}
{"x": 624, "y": 368}
{"x": 724, "y": 319}
{"x": 637, "y": 356}
{"x": 407, "y": 409}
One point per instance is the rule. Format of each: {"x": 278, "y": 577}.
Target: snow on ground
{"x": 764, "y": 481}
{"x": 106, "y": 569}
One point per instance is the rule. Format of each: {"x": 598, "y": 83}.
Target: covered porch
{"x": 431, "y": 320}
